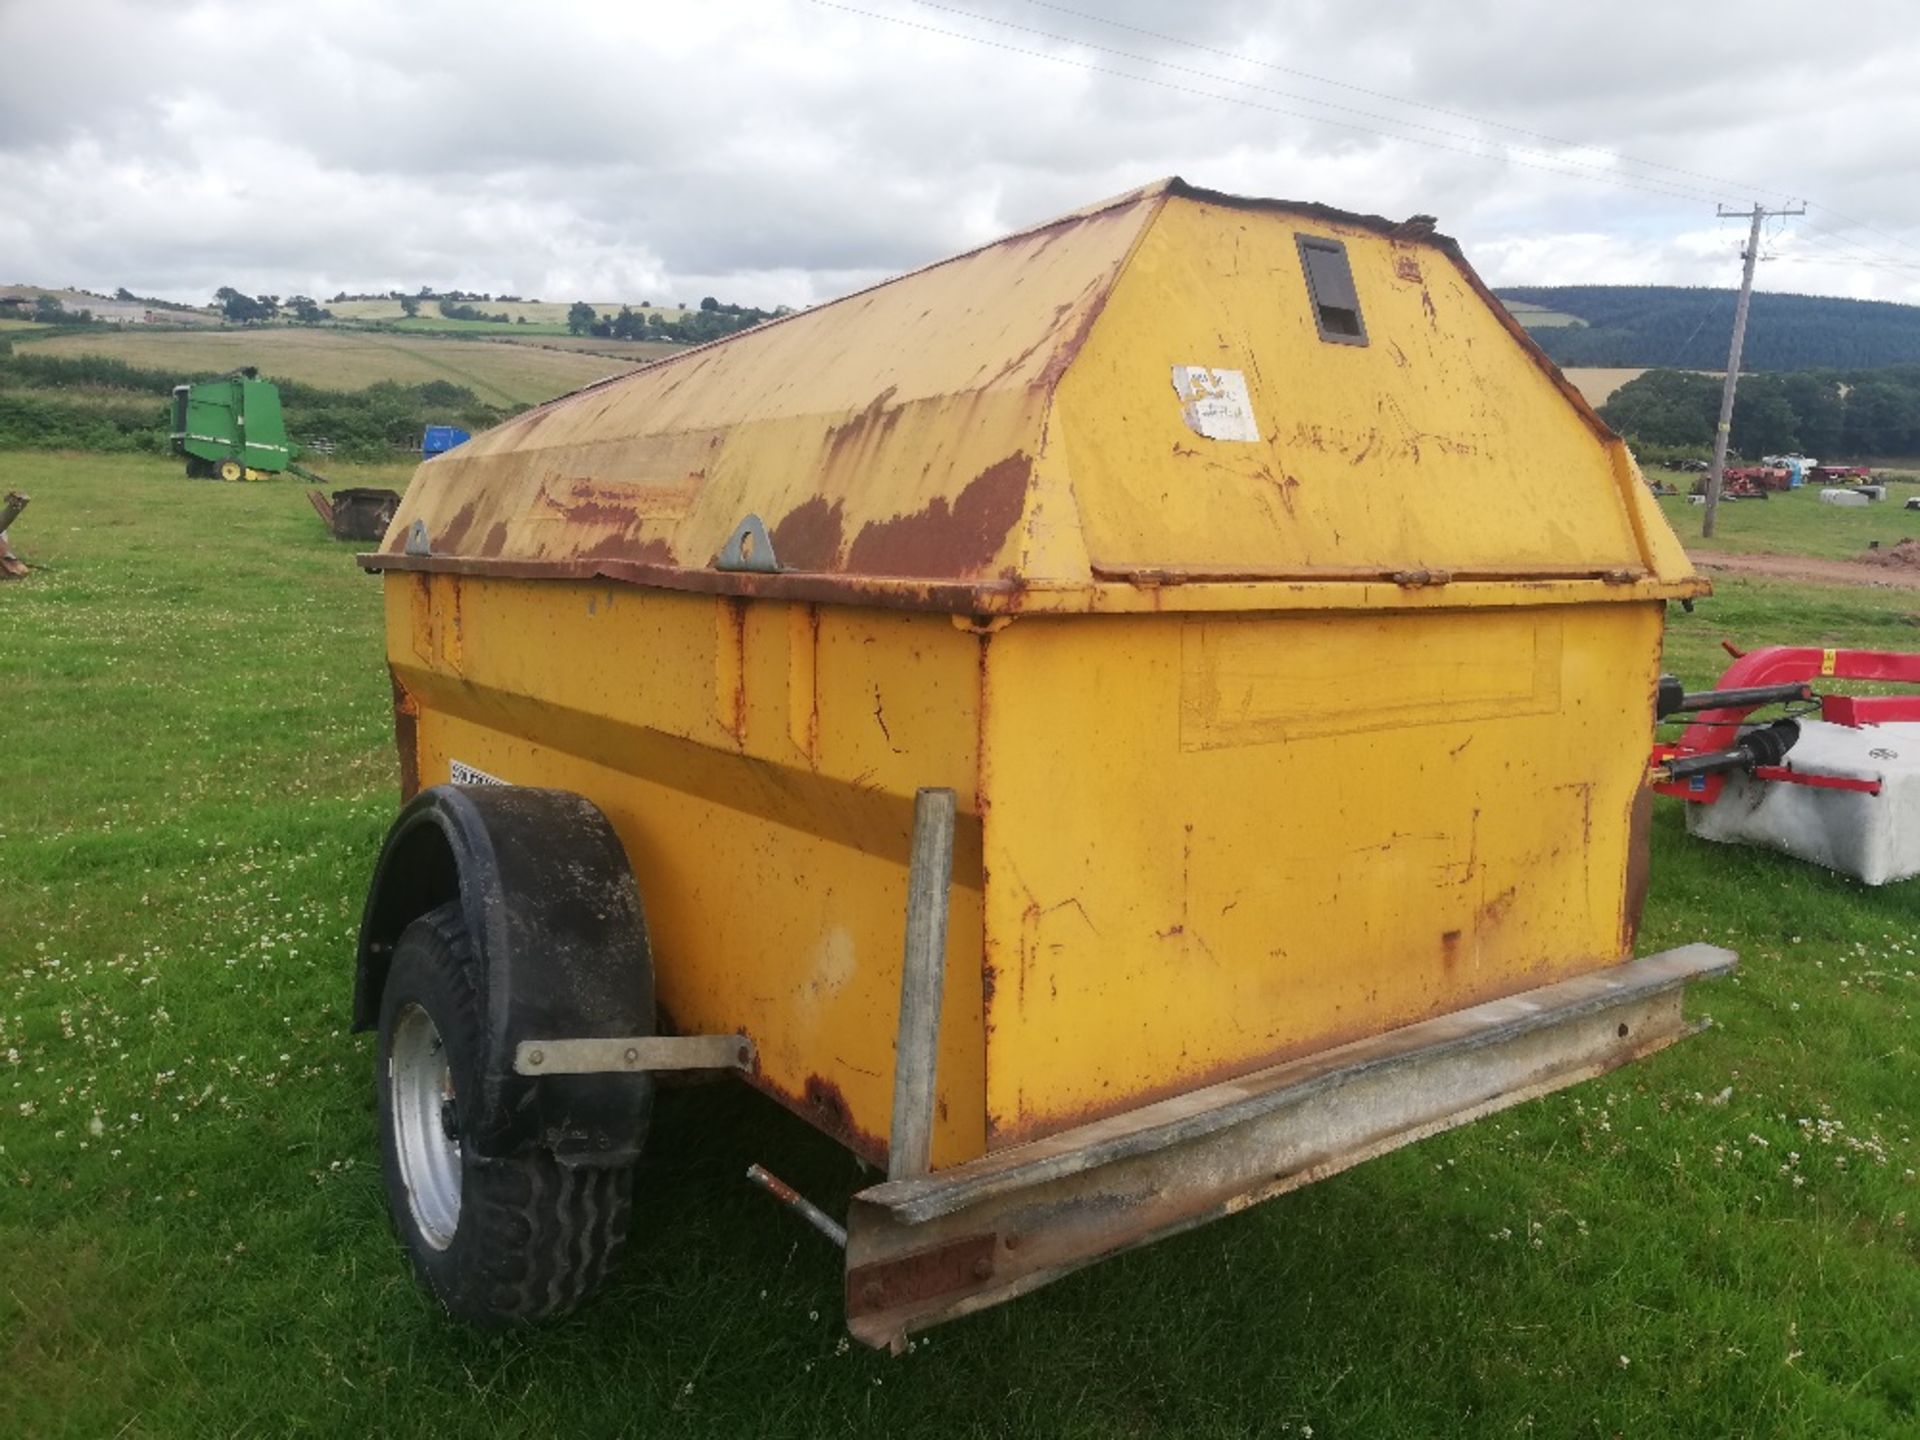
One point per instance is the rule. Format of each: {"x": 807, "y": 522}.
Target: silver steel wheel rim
{"x": 420, "y": 1087}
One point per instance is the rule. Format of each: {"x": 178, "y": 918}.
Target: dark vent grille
{"x": 1336, "y": 305}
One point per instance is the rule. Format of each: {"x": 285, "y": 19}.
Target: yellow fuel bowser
{"x": 1109, "y": 727}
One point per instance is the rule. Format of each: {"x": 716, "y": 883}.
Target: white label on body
{"x": 461, "y": 773}
{"x": 1215, "y": 402}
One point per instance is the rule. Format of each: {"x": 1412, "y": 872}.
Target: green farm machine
{"x": 230, "y": 428}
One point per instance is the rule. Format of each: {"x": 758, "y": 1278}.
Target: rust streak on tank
{"x": 809, "y": 537}
{"x": 823, "y": 1104}
{"x": 948, "y": 541}
{"x": 592, "y": 504}
{"x": 735, "y": 608}
{"x": 1067, "y": 353}
{"x": 871, "y": 423}
{"x": 452, "y": 538}
{"x": 406, "y": 737}
{"x": 1639, "y": 863}
{"x": 655, "y": 550}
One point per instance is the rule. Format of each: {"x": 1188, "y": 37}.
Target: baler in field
{"x": 230, "y": 428}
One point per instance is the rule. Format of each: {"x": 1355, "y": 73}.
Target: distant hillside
{"x": 506, "y": 375}
{"x": 1688, "y": 328}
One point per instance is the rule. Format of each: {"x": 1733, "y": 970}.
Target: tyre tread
{"x": 536, "y": 1238}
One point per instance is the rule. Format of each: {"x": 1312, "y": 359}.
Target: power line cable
{"x": 1836, "y": 239}
{"x": 1863, "y": 225}
{"x": 1829, "y": 249}
{"x": 1839, "y": 260}
{"x": 1705, "y": 315}
{"x": 1219, "y": 79}
{"x": 1483, "y": 149}
{"x": 1745, "y": 187}
{"x": 1596, "y": 177}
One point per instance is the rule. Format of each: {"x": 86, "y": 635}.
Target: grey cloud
{"x": 781, "y": 150}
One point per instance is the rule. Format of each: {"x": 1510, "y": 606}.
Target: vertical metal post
{"x": 923, "y": 973}
{"x": 1724, "y": 430}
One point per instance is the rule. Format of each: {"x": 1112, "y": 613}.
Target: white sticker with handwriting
{"x": 1215, "y": 402}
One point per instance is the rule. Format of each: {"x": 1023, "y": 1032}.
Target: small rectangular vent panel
{"x": 1336, "y": 304}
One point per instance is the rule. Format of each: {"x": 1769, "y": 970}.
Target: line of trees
{"x": 1688, "y": 328}
{"x": 153, "y": 302}
{"x": 459, "y": 311}
{"x": 711, "y": 321}
{"x": 239, "y": 308}
{"x": 427, "y": 292}
{"x": 1813, "y": 412}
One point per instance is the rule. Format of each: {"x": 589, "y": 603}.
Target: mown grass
{"x": 1797, "y": 522}
{"x": 197, "y": 771}
{"x": 342, "y": 359}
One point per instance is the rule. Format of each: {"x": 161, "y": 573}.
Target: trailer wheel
{"x": 497, "y": 1241}
{"x": 231, "y": 470}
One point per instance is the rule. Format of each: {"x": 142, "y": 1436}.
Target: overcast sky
{"x": 786, "y": 151}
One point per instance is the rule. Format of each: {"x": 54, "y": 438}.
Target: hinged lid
{"x": 1173, "y": 387}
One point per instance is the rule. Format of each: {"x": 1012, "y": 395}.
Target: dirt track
{"x": 1808, "y": 569}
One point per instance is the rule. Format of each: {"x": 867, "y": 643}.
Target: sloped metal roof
{"x": 1005, "y": 430}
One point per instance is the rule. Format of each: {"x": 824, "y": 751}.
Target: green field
{"x": 197, "y": 772}
{"x": 425, "y": 324}
{"x": 1599, "y": 382}
{"x": 501, "y": 374}
{"x": 1796, "y": 522}
{"x": 1539, "y": 317}
{"x": 535, "y": 312}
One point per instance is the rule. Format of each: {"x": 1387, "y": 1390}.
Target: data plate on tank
{"x": 1262, "y": 681}
{"x": 1215, "y": 402}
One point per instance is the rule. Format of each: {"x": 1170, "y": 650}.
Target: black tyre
{"x": 230, "y": 470}
{"x": 497, "y": 1241}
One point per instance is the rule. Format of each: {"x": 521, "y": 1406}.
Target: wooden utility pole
{"x": 1758, "y": 215}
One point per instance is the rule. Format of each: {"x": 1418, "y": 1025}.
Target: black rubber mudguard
{"x": 560, "y": 946}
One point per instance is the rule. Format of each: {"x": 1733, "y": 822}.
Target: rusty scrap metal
{"x": 798, "y": 1203}
{"x": 356, "y": 513}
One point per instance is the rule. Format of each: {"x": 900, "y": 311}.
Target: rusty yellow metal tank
{"x": 1285, "y": 624}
